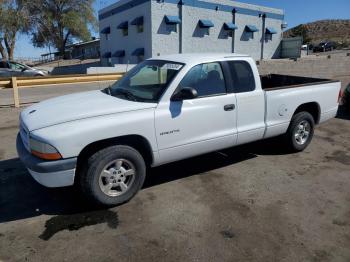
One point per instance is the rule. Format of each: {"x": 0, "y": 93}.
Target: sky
{"x": 296, "y": 12}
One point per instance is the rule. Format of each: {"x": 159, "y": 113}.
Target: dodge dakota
{"x": 166, "y": 109}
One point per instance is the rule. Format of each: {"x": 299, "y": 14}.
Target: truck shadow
{"x": 21, "y": 197}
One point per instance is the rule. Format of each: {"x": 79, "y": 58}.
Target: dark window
{"x": 139, "y": 28}
{"x": 125, "y": 31}
{"x": 171, "y": 28}
{"x": 242, "y": 75}
{"x": 207, "y": 79}
{"x": 3, "y": 64}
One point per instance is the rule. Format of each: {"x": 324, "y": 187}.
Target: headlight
{"x": 43, "y": 150}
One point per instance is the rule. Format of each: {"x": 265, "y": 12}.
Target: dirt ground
{"x": 250, "y": 203}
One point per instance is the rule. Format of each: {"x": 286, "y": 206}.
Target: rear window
{"x": 242, "y": 76}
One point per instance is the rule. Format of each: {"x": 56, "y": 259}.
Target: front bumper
{"x": 58, "y": 173}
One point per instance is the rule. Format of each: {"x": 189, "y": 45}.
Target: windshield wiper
{"x": 126, "y": 94}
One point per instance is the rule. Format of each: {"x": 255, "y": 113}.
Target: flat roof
{"x": 221, "y": 5}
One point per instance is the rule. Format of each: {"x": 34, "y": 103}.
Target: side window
{"x": 243, "y": 77}
{"x": 207, "y": 79}
{"x": 16, "y": 66}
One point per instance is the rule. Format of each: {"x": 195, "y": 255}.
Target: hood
{"x": 76, "y": 106}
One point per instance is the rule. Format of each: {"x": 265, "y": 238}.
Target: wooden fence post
{"x": 15, "y": 91}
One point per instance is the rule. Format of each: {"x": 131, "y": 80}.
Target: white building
{"x": 132, "y": 30}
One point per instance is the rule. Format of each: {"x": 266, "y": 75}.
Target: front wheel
{"x": 300, "y": 131}
{"x": 113, "y": 175}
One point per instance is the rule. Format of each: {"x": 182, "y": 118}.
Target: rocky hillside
{"x": 315, "y": 32}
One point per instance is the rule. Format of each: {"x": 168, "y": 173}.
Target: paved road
{"x": 36, "y": 94}
{"x": 251, "y": 203}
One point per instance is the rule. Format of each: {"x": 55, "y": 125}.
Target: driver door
{"x": 203, "y": 124}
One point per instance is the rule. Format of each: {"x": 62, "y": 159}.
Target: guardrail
{"x": 24, "y": 82}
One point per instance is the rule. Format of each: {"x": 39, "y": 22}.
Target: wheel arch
{"x": 138, "y": 142}
{"x": 313, "y": 108}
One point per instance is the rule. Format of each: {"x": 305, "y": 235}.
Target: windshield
{"x": 146, "y": 82}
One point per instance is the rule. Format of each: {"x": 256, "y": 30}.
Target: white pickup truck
{"x": 163, "y": 110}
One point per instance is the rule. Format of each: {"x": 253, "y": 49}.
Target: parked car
{"x": 163, "y": 110}
{"x": 325, "y": 46}
{"x": 12, "y": 68}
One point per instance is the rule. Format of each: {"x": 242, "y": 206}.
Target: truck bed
{"x": 275, "y": 81}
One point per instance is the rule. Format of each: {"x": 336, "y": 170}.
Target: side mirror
{"x": 24, "y": 69}
{"x": 185, "y": 93}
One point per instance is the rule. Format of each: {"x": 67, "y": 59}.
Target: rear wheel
{"x": 300, "y": 131}
{"x": 113, "y": 175}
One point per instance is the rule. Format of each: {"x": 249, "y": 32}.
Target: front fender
{"x": 70, "y": 138}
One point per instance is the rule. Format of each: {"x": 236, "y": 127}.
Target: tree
{"x": 14, "y": 18}
{"x": 58, "y": 22}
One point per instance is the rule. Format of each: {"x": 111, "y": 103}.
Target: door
{"x": 203, "y": 124}
{"x": 250, "y": 103}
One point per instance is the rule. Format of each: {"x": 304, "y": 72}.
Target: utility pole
{"x": 234, "y": 11}
{"x": 263, "y": 16}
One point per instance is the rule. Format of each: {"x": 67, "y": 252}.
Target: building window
{"x": 230, "y": 28}
{"x": 138, "y": 22}
{"x": 106, "y": 31}
{"x": 268, "y": 37}
{"x": 125, "y": 31}
{"x": 250, "y": 30}
{"x": 205, "y": 25}
{"x": 140, "y": 58}
{"x": 139, "y": 28}
{"x": 171, "y": 28}
{"x": 171, "y": 23}
{"x": 269, "y": 32}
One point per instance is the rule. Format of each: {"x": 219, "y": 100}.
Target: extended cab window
{"x": 242, "y": 75}
{"x": 207, "y": 79}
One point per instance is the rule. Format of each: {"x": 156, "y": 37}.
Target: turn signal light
{"x": 47, "y": 156}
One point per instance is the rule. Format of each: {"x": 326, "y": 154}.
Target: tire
{"x": 296, "y": 138}
{"x": 120, "y": 167}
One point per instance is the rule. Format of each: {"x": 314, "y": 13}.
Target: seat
{"x": 212, "y": 84}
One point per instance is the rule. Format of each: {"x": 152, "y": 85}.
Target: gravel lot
{"x": 249, "y": 203}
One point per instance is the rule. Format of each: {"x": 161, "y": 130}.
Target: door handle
{"x": 230, "y": 107}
